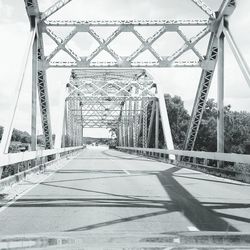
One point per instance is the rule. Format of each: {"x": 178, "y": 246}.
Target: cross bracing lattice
{"x": 132, "y": 59}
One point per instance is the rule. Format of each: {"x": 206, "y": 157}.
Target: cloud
{"x": 5, "y": 12}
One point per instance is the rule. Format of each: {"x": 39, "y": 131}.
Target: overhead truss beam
{"x": 54, "y": 8}
{"x": 132, "y": 59}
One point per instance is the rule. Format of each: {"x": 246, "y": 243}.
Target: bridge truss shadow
{"x": 200, "y": 214}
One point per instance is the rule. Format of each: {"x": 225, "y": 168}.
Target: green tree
{"x": 1, "y": 132}
{"x": 237, "y": 129}
{"x": 178, "y": 119}
{"x": 26, "y": 139}
{"x": 16, "y": 135}
{"x": 206, "y": 137}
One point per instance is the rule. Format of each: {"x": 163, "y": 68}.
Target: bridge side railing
{"x": 19, "y": 162}
{"x": 235, "y": 166}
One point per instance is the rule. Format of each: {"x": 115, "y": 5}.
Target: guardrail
{"x": 228, "y": 157}
{"x": 236, "y": 166}
{"x": 25, "y": 160}
{"x": 8, "y": 159}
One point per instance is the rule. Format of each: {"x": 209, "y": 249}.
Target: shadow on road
{"x": 94, "y": 202}
{"x": 201, "y": 215}
{"x": 122, "y": 220}
{"x": 101, "y": 171}
{"x": 204, "y": 218}
{"x": 129, "y": 158}
{"x": 210, "y": 180}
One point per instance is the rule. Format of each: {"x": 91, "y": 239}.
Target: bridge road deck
{"x": 103, "y": 190}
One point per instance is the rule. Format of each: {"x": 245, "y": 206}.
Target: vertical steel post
{"x": 157, "y": 124}
{"x": 130, "y": 124}
{"x": 34, "y": 95}
{"x": 144, "y": 124}
{"x": 165, "y": 122}
{"x": 64, "y": 125}
{"x": 74, "y": 133}
{"x": 123, "y": 127}
{"x": 81, "y": 134}
{"x": 77, "y": 135}
{"x": 71, "y": 122}
{"x": 118, "y": 138}
{"x": 136, "y": 120}
{"x": 75, "y": 127}
{"x": 43, "y": 95}
{"x": 67, "y": 136}
{"x": 126, "y": 123}
{"x": 151, "y": 122}
{"x": 122, "y": 140}
{"x": 75, "y": 122}
{"x": 220, "y": 96}
{"x": 140, "y": 123}
{"x": 124, "y": 131}
{"x": 121, "y": 134}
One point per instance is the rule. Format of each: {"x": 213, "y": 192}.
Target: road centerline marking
{"x": 126, "y": 172}
{"x": 193, "y": 229}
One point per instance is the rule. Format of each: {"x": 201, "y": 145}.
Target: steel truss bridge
{"x": 116, "y": 94}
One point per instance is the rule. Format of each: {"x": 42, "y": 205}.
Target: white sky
{"x": 14, "y": 30}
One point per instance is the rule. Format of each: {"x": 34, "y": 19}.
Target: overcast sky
{"x": 14, "y": 30}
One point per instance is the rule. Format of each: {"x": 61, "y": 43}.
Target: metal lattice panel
{"x": 129, "y": 60}
{"x": 43, "y": 98}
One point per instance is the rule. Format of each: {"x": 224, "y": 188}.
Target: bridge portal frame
{"x": 216, "y": 25}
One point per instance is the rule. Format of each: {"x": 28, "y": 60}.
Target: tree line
{"x": 18, "y": 135}
{"x": 237, "y": 127}
{"x": 21, "y": 137}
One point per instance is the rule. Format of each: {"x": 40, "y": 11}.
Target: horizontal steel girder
{"x": 132, "y": 59}
{"x": 103, "y": 23}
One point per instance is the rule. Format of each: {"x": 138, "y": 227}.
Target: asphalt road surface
{"x": 106, "y": 191}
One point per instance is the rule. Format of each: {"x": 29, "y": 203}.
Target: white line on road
{"x": 9, "y": 203}
{"x": 193, "y": 229}
{"x": 126, "y": 171}
{"x": 23, "y": 193}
